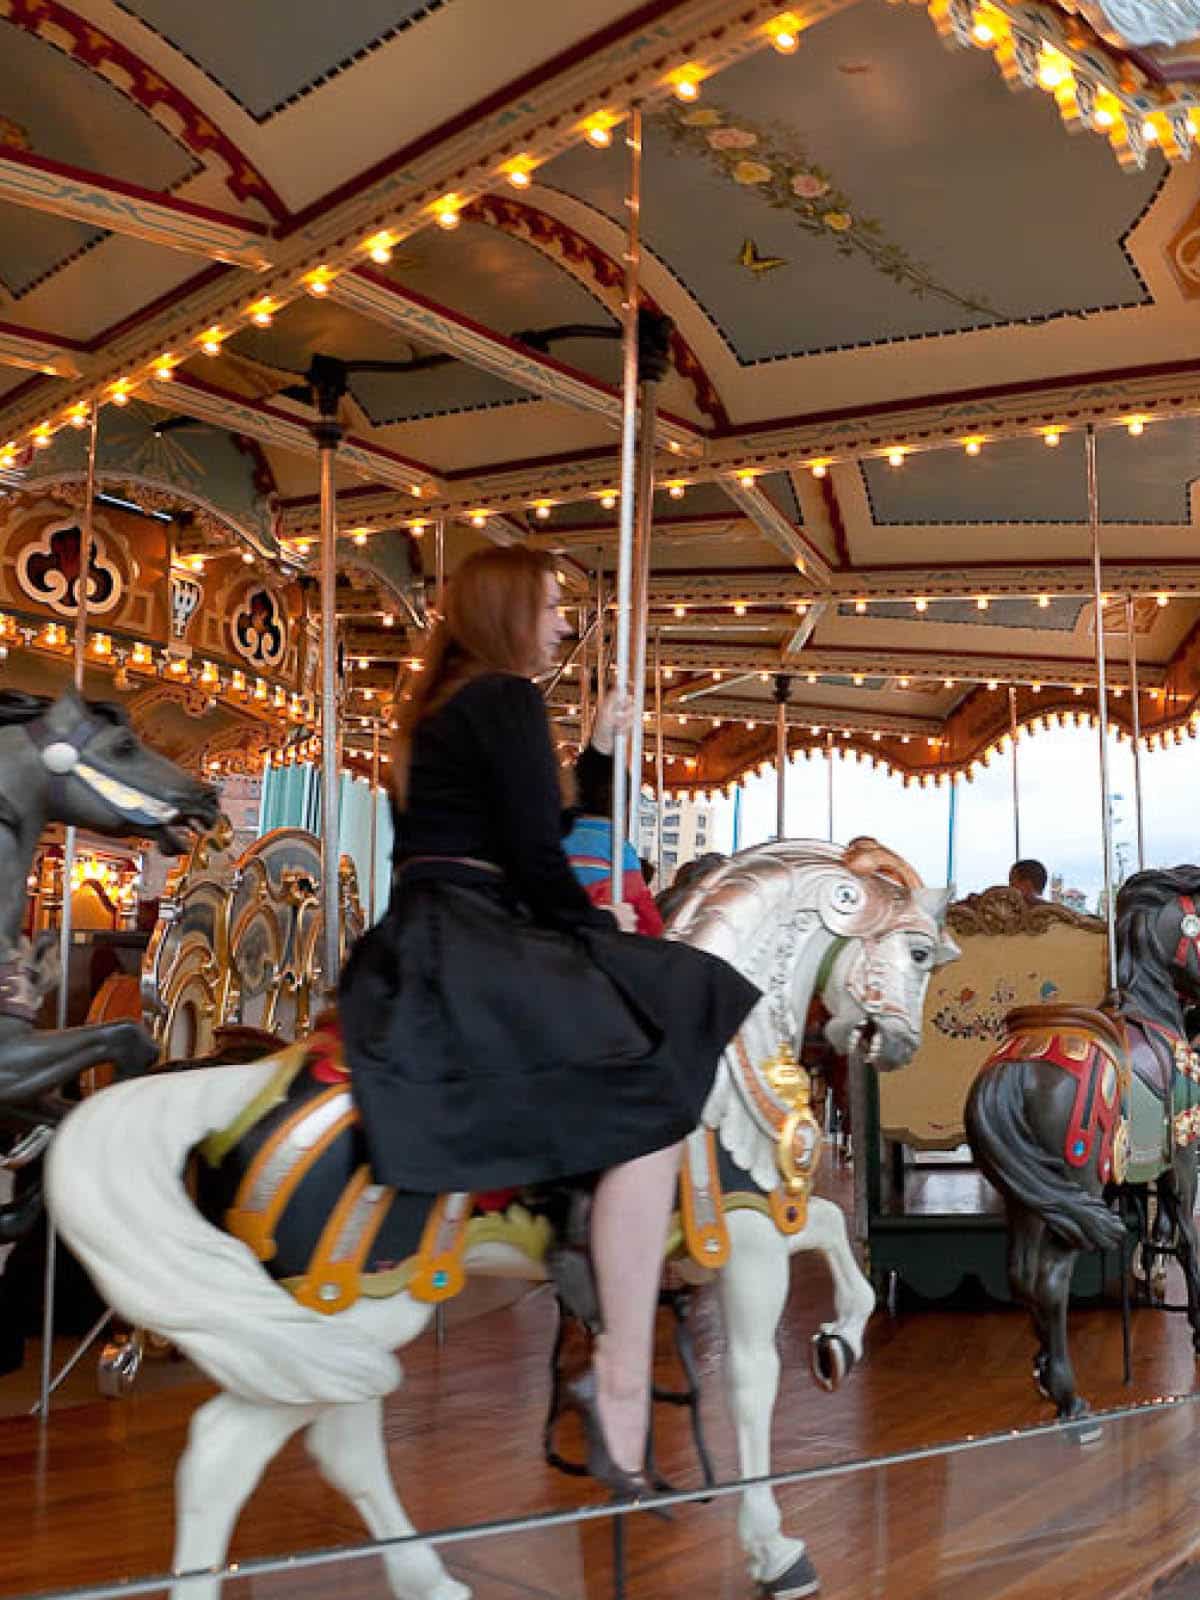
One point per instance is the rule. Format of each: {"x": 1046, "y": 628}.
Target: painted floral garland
{"x": 789, "y": 180}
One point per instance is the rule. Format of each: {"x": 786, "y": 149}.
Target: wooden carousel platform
{"x": 88, "y": 1499}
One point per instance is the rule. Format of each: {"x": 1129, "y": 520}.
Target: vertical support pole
{"x": 659, "y": 760}
{"x": 329, "y": 433}
{"x": 952, "y": 834}
{"x": 643, "y": 519}
{"x": 601, "y": 637}
{"x": 439, "y": 558}
{"x": 829, "y": 778}
{"x": 783, "y": 686}
{"x": 1093, "y": 500}
{"x": 1135, "y": 706}
{"x": 374, "y": 829}
{"x": 629, "y": 398}
{"x": 585, "y": 680}
{"x": 1013, "y": 732}
{"x": 86, "y": 543}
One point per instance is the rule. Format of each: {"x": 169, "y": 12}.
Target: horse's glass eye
{"x": 922, "y": 955}
{"x": 126, "y": 746}
{"x": 846, "y": 897}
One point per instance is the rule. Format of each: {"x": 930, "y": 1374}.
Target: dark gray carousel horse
{"x": 1078, "y": 1108}
{"x": 78, "y": 763}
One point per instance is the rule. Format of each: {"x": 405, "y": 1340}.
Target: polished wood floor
{"x": 88, "y": 1497}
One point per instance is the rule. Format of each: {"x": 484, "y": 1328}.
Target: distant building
{"x": 687, "y": 832}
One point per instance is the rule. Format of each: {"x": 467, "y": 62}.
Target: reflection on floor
{"x": 89, "y": 1497}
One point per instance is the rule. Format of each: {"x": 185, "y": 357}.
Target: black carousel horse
{"x": 79, "y": 763}
{"x": 1078, "y": 1108}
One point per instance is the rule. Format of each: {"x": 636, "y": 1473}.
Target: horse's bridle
{"x": 62, "y": 756}
{"x": 1189, "y": 932}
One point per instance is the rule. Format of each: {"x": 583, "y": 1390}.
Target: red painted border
{"x": 58, "y": 340}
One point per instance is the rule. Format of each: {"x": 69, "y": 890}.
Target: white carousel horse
{"x": 798, "y": 918}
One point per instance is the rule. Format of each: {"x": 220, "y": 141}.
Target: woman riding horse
{"x": 499, "y": 1028}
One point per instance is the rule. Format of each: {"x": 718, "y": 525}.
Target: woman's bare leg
{"x": 630, "y": 1214}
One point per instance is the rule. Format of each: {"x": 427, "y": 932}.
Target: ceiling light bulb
{"x": 1052, "y": 436}
{"x": 479, "y": 520}
{"x": 819, "y": 469}
{"x": 675, "y": 490}
{"x": 739, "y": 609}
{"x": 1043, "y": 601}
{"x": 120, "y": 397}
{"x": 163, "y": 370}
{"x": 447, "y": 217}
{"x": 746, "y": 479}
{"x": 211, "y": 344}
{"x": 360, "y": 538}
{"x": 248, "y": 558}
{"x": 993, "y": 685}
{"x": 262, "y": 318}
{"x": 599, "y": 134}
{"x": 983, "y": 33}
{"x": 687, "y": 90}
{"x": 608, "y": 501}
{"x": 1164, "y": 599}
{"x": 860, "y": 606}
{"x": 895, "y": 458}
{"x": 904, "y": 682}
{"x": 973, "y": 447}
{"x": 681, "y": 611}
{"x": 786, "y": 41}
{"x": 542, "y": 511}
{"x": 1137, "y": 427}
{"x": 519, "y": 178}
{"x": 981, "y": 602}
{"x": 921, "y": 605}
{"x": 389, "y": 620}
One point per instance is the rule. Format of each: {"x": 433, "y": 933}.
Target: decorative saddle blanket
{"x": 290, "y": 1178}
{"x": 1126, "y": 1071}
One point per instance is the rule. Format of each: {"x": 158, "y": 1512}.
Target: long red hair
{"x": 493, "y": 606}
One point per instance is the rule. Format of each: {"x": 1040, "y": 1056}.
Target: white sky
{"x": 1060, "y": 810}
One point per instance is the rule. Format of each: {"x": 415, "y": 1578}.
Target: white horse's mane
{"x": 752, "y": 888}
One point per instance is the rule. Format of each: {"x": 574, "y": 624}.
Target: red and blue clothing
{"x": 589, "y": 850}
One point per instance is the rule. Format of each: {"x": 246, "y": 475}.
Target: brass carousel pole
{"x": 629, "y": 396}
{"x": 328, "y": 433}
{"x": 1093, "y": 498}
{"x": 439, "y": 557}
{"x": 1135, "y": 706}
{"x": 659, "y": 762}
{"x": 67, "y": 909}
{"x": 585, "y": 679}
{"x": 374, "y": 830}
{"x": 1016, "y": 783}
{"x": 783, "y": 687}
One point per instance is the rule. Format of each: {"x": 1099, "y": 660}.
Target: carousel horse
{"x": 80, "y": 763}
{"x": 1074, "y": 1104}
{"x": 293, "y": 1277}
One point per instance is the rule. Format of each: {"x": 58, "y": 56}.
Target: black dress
{"x": 499, "y": 1029}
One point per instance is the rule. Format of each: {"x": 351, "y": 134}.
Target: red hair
{"x": 493, "y": 606}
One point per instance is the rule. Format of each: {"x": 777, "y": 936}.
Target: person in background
{"x": 1029, "y": 879}
{"x": 589, "y": 845}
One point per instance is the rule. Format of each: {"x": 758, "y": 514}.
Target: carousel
{"x": 840, "y": 360}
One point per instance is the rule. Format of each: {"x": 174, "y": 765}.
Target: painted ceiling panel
{"x": 276, "y": 49}
{"x": 871, "y": 188}
{"x": 309, "y": 325}
{"x": 511, "y": 288}
{"x": 1022, "y": 480}
{"x": 699, "y": 500}
{"x": 54, "y": 107}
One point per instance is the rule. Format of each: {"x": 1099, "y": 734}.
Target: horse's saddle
{"x": 290, "y": 1178}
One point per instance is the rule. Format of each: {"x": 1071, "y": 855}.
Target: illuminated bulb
{"x": 1137, "y": 427}
{"x": 1052, "y": 70}
{"x": 363, "y": 663}
{"x": 262, "y": 317}
{"x": 903, "y": 682}
{"x": 947, "y": 683}
{"x": 197, "y": 563}
{"x": 717, "y": 675}
{"x": 78, "y": 418}
{"x": 1149, "y": 132}
{"x": 519, "y": 178}
{"x": 1104, "y": 118}
{"x": 163, "y": 370}
{"x": 973, "y": 446}
{"x": 360, "y": 538}
{"x": 1164, "y": 599}
{"x": 479, "y": 520}
{"x": 687, "y": 90}
{"x": 860, "y": 606}
{"x": 750, "y": 727}
{"x": 921, "y": 605}
{"x": 983, "y": 33}
{"x": 681, "y": 611}
{"x": 812, "y": 677}
{"x": 418, "y": 527}
{"x": 1036, "y": 687}
{"x": 895, "y": 458}
{"x": 1078, "y": 688}
{"x": 379, "y": 248}
{"x": 1052, "y": 437}
{"x": 981, "y": 602}
{"x": 210, "y": 342}
{"x": 668, "y": 673}
{"x": 120, "y": 397}
{"x": 764, "y": 677}
{"x": 542, "y": 511}
{"x": 248, "y": 558}
{"x": 739, "y": 609}
{"x": 675, "y": 490}
{"x": 819, "y": 469}
{"x": 746, "y": 479}
{"x": 608, "y": 501}
{"x": 447, "y": 217}
{"x": 1043, "y": 601}
{"x": 858, "y": 680}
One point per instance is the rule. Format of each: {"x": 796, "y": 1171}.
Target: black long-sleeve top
{"x": 483, "y": 784}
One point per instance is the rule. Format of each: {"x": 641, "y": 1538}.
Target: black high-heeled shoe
{"x": 580, "y": 1396}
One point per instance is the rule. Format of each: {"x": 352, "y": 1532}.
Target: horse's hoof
{"x": 1039, "y": 1378}
{"x": 831, "y": 1358}
{"x": 119, "y": 1365}
{"x": 799, "y": 1580}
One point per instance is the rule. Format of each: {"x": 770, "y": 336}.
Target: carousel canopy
{"x": 900, "y": 292}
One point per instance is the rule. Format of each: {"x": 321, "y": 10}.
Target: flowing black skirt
{"x": 488, "y": 1051}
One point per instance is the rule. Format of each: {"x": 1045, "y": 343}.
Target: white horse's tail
{"x": 116, "y": 1193}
